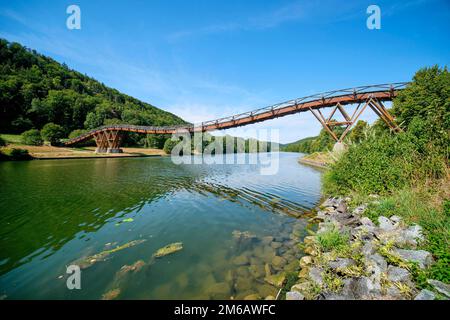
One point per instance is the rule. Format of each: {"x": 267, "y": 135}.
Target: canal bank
{"x": 353, "y": 257}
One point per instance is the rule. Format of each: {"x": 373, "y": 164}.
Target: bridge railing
{"x": 317, "y": 96}
{"x": 255, "y": 112}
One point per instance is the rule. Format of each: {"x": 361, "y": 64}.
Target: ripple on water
{"x": 237, "y": 227}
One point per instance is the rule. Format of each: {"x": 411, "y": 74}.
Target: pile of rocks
{"x": 368, "y": 261}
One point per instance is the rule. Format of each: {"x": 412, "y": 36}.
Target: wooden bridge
{"x": 108, "y": 138}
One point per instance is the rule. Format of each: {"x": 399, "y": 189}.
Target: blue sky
{"x": 208, "y": 59}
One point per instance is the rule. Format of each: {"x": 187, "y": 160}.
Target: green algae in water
{"x": 86, "y": 262}
{"x": 169, "y": 249}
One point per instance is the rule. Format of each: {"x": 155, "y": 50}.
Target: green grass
{"x": 332, "y": 239}
{"x": 12, "y": 138}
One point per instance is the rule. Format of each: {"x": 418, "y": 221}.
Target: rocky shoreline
{"x": 350, "y": 257}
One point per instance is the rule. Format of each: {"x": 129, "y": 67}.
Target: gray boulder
{"x": 425, "y": 295}
{"x": 365, "y": 288}
{"x": 440, "y": 287}
{"x": 397, "y": 274}
{"x": 414, "y": 233}
{"x": 395, "y": 219}
{"x": 378, "y": 260}
{"x": 385, "y": 224}
{"x": 366, "y": 222}
{"x": 294, "y": 295}
{"x": 342, "y": 207}
{"x": 360, "y": 209}
{"x": 315, "y": 274}
{"x": 423, "y": 258}
{"x": 368, "y": 249}
{"x": 341, "y": 263}
{"x": 332, "y": 202}
{"x": 394, "y": 293}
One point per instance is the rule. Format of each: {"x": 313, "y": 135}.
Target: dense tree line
{"x": 36, "y": 90}
{"x": 324, "y": 141}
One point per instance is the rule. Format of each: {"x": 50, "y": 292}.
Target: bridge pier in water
{"x": 108, "y": 141}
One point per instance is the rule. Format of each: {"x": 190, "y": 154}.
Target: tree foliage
{"x": 52, "y": 133}
{"x": 32, "y": 137}
{"x": 385, "y": 162}
{"x": 36, "y": 90}
{"x": 423, "y": 108}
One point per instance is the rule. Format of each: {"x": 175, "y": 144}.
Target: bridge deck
{"x": 383, "y": 92}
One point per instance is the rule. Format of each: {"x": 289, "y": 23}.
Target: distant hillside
{"x": 35, "y": 90}
{"x": 295, "y": 146}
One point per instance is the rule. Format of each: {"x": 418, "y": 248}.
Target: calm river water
{"x": 236, "y": 227}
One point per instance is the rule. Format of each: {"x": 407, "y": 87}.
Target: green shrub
{"x": 77, "y": 132}
{"x": 169, "y": 145}
{"x": 377, "y": 165}
{"x": 52, "y": 133}
{"x": 32, "y": 137}
{"x": 332, "y": 239}
{"x": 2, "y": 142}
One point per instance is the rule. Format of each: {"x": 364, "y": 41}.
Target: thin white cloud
{"x": 10, "y": 14}
{"x": 284, "y": 14}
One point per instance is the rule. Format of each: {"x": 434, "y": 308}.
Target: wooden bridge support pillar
{"x": 108, "y": 142}
{"x": 373, "y": 103}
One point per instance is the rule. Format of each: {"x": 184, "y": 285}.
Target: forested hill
{"x": 35, "y": 90}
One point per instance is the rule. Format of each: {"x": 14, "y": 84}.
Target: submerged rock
{"x": 257, "y": 270}
{"x": 219, "y": 290}
{"x": 111, "y": 294}
{"x": 243, "y": 284}
{"x": 241, "y": 260}
{"x": 135, "y": 267}
{"x": 276, "y": 280}
{"x": 276, "y": 245}
{"x": 278, "y": 262}
{"x": 292, "y": 266}
{"x": 169, "y": 249}
{"x": 267, "y": 240}
{"x": 266, "y": 290}
{"x": 237, "y": 234}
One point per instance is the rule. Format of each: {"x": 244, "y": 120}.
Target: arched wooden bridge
{"x": 108, "y": 138}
